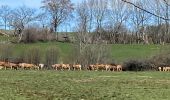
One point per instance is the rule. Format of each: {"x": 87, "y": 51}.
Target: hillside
{"x": 120, "y": 52}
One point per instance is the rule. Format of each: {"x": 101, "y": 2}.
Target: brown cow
{"x": 56, "y": 66}
{"x": 92, "y": 67}
{"x": 77, "y": 66}
{"x": 13, "y": 66}
{"x": 7, "y": 65}
{"x": 2, "y": 63}
{"x": 113, "y": 68}
{"x": 65, "y": 66}
{"x": 26, "y": 66}
{"x": 100, "y": 67}
{"x": 108, "y": 67}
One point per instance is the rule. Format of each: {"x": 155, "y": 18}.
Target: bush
{"x": 34, "y": 34}
{"x": 91, "y": 54}
{"x": 136, "y": 65}
{"x": 52, "y": 56}
{"x": 32, "y": 55}
{"x": 6, "y": 52}
{"x": 162, "y": 59}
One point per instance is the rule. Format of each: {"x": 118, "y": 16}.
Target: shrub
{"x": 32, "y": 55}
{"x": 91, "y": 54}
{"x": 6, "y": 51}
{"x": 162, "y": 59}
{"x": 137, "y": 65}
{"x": 34, "y": 34}
{"x": 52, "y": 56}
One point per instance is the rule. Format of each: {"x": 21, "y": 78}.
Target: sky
{"x": 29, "y": 3}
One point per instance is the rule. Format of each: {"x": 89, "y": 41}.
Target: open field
{"x": 54, "y": 85}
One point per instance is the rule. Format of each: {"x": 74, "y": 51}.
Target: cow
{"x": 77, "y": 66}
{"x": 100, "y": 67}
{"x": 166, "y": 68}
{"x": 113, "y": 68}
{"x": 7, "y": 65}
{"x": 13, "y": 65}
{"x": 2, "y": 63}
{"x": 108, "y": 67}
{"x": 119, "y": 68}
{"x": 1, "y": 67}
{"x": 65, "y": 66}
{"x": 56, "y": 66}
{"x": 10, "y": 65}
{"x": 159, "y": 68}
{"x": 40, "y": 66}
{"x": 26, "y": 66}
{"x": 91, "y": 67}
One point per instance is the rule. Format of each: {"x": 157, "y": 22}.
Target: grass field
{"x": 119, "y": 52}
{"x": 84, "y": 85}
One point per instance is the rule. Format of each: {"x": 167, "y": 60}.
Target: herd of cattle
{"x": 107, "y": 67}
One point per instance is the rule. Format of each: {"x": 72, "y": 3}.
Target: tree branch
{"x": 145, "y": 10}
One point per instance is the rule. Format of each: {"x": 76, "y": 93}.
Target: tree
{"x": 5, "y": 11}
{"x": 21, "y": 17}
{"x": 59, "y": 11}
{"x": 119, "y": 14}
{"x": 99, "y": 12}
{"x": 85, "y": 52}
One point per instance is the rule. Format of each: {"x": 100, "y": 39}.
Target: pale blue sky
{"x": 29, "y": 3}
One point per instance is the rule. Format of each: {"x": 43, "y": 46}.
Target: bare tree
{"x": 5, "y": 11}
{"x": 99, "y": 12}
{"x": 85, "y": 52}
{"x": 139, "y": 19}
{"x": 21, "y": 17}
{"x": 59, "y": 11}
{"x": 119, "y": 14}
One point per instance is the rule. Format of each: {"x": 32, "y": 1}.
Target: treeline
{"x": 92, "y": 21}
